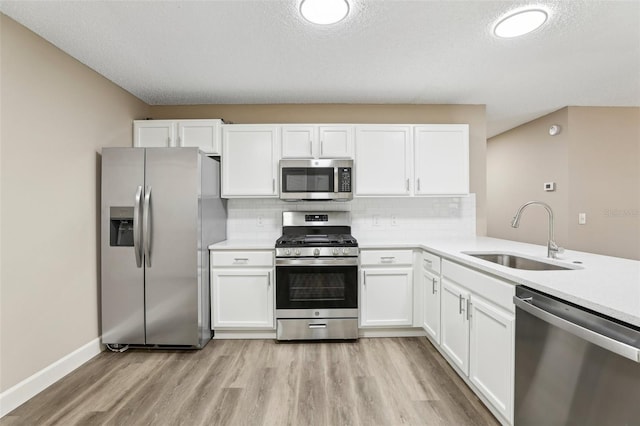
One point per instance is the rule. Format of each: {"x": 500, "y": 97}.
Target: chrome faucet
{"x": 552, "y": 247}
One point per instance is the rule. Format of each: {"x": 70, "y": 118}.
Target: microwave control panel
{"x": 344, "y": 179}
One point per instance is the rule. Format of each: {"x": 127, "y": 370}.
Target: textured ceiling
{"x": 386, "y": 51}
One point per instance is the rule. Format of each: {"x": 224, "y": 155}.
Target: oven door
{"x": 315, "y": 286}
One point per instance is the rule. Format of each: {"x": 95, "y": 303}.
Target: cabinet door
{"x": 154, "y": 133}
{"x": 491, "y": 366}
{"x": 242, "y": 298}
{"x": 454, "y": 325}
{"x": 250, "y": 161}
{"x": 382, "y": 160}
{"x": 298, "y": 141}
{"x": 441, "y": 159}
{"x": 203, "y": 134}
{"x": 431, "y": 305}
{"x": 386, "y": 297}
{"x": 335, "y": 142}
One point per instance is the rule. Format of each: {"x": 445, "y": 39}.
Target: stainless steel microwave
{"x": 320, "y": 179}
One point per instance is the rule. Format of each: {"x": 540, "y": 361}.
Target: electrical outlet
{"x": 394, "y": 220}
{"x": 582, "y": 218}
{"x": 376, "y": 220}
{"x": 260, "y": 221}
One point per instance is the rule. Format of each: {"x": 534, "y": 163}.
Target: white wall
{"x": 56, "y": 115}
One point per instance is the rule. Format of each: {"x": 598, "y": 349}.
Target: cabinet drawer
{"x": 430, "y": 262}
{"x": 493, "y": 289}
{"x": 386, "y": 257}
{"x": 242, "y": 258}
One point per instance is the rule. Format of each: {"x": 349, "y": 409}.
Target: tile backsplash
{"x": 401, "y": 219}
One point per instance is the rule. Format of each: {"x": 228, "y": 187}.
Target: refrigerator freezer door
{"x": 172, "y": 179}
{"x": 122, "y": 280}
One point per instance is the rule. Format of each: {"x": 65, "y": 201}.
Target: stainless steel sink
{"x": 519, "y": 262}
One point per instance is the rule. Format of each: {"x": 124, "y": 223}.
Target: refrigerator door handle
{"x": 146, "y": 226}
{"x": 137, "y": 248}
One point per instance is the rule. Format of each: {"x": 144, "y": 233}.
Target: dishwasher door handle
{"x": 604, "y": 342}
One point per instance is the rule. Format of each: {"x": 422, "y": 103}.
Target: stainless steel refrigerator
{"x": 161, "y": 209}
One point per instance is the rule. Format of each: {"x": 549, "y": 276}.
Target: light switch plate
{"x": 582, "y": 218}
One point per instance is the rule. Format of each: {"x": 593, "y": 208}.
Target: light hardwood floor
{"x": 384, "y": 381}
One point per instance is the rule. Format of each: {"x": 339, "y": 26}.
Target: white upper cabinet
{"x": 317, "y": 141}
{"x": 412, "y": 160}
{"x": 383, "y": 160}
{"x": 250, "y": 155}
{"x": 441, "y": 159}
{"x": 335, "y": 142}
{"x": 203, "y": 134}
{"x": 154, "y": 133}
{"x": 298, "y": 141}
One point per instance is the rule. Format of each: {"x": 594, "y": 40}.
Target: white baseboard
{"x": 391, "y": 332}
{"x": 17, "y": 395}
{"x": 244, "y": 334}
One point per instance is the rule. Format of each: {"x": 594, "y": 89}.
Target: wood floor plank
{"x": 384, "y": 381}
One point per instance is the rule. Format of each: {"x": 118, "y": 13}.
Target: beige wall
{"x": 604, "y": 168}
{"x": 56, "y": 114}
{"x": 519, "y": 162}
{"x": 474, "y": 115}
{"x": 595, "y": 162}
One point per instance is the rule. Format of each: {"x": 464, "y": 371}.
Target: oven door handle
{"x": 338, "y": 261}
{"x": 312, "y": 326}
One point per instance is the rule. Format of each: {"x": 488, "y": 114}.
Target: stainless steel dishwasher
{"x": 572, "y": 366}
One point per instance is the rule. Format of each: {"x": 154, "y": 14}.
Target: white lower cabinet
{"x": 242, "y": 290}
{"x": 386, "y": 288}
{"x": 431, "y": 289}
{"x": 491, "y": 356}
{"x": 455, "y": 325}
{"x": 478, "y": 321}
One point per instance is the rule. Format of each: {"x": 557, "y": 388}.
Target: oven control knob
{"x": 287, "y": 251}
{"x": 345, "y": 250}
{"x": 335, "y": 251}
{"x": 297, "y": 252}
{"x": 316, "y": 252}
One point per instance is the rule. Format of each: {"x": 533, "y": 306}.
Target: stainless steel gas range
{"x": 316, "y": 277}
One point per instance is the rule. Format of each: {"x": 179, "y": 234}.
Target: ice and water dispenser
{"x": 121, "y": 224}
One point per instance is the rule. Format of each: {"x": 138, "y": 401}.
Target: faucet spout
{"x": 552, "y": 247}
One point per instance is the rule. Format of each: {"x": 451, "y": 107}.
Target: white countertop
{"x": 609, "y": 285}
{"x": 253, "y": 244}
{"x": 605, "y": 284}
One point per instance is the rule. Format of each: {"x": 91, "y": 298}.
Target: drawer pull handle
{"x": 240, "y": 260}
{"x": 312, "y": 326}
{"x": 433, "y": 286}
{"x": 387, "y": 259}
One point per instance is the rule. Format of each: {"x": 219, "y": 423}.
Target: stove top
{"x": 326, "y": 234}
{"x": 317, "y": 240}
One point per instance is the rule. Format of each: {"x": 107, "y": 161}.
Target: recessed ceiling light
{"x": 520, "y": 23}
{"x": 324, "y": 12}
